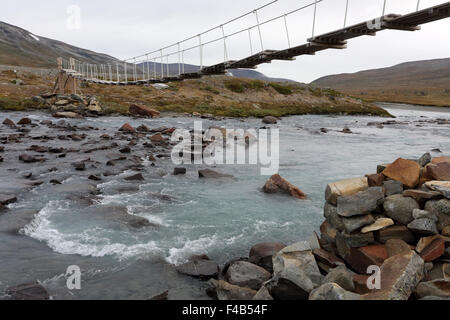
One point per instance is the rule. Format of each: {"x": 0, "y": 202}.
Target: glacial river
{"x": 222, "y": 219}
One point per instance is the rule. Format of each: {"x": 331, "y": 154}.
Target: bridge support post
{"x": 63, "y": 79}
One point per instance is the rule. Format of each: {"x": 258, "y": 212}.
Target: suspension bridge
{"x": 154, "y": 67}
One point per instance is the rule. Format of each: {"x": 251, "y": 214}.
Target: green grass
{"x": 241, "y": 85}
{"x": 283, "y": 89}
{"x": 240, "y": 111}
{"x": 211, "y": 89}
{"x": 8, "y": 104}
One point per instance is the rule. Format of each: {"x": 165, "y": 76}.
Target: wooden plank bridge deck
{"x": 332, "y": 40}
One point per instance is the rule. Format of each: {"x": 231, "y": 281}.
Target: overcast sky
{"x": 127, "y": 29}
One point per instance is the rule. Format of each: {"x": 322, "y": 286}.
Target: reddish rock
{"x": 141, "y": 110}
{"x": 439, "y": 172}
{"x": 440, "y": 160}
{"x": 425, "y": 242}
{"x": 435, "y": 250}
{"x": 375, "y": 180}
{"x": 261, "y": 254}
{"x": 396, "y": 246}
{"x": 420, "y": 195}
{"x": 277, "y": 184}
{"x": 362, "y": 258}
{"x": 405, "y": 171}
{"x": 157, "y": 138}
{"x": 327, "y": 259}
{"x": 127, "y": 128}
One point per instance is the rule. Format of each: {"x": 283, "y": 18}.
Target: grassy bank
{"x": 217, "y": 96}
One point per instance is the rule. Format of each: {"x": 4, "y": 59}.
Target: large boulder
{"x": 296, "y": 273}
{"x": 405, "y": 171}
{"x": 278, "y": 184}
{"x": 333, "y": 292}
{"x": 136, "y": 109}
{"x": 441, "y": 209}
{"x": 360, "y": 203}
{"x": 341, "y": 276}
{"x": 246, "y": 274}
{"x": 400, "y": 275}
{"x": 400, "y": 208}
{"x": 345, "y": 188}
{"x": 262, "y": 253}
{"x": 200, "y": 268}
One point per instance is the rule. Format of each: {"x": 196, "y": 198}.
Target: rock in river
{"x": 29, "y": 291}
{"x": 200, "y": 268}
{"x": 210, "y": 174}
{"x": 270, "y": 120}
{"x": 136, "y": 109}
{"x": 278, "y": 184}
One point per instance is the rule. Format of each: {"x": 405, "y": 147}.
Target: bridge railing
{"x": 189, "y": 56}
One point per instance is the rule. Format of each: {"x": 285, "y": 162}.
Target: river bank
{"x": 186, "y": 215}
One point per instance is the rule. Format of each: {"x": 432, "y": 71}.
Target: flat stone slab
{"x": 380, "y": 224}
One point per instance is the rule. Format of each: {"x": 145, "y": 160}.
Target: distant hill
{"x": 20, "y": 47}
{"x": 420, "y": 82}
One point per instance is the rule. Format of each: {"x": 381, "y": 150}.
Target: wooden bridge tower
{"x": 65, "y": 80}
